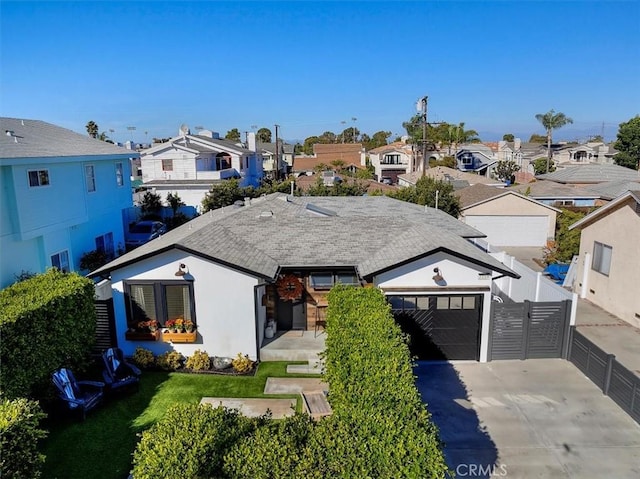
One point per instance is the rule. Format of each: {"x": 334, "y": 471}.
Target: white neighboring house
{"x": 391, "y": 161}
{"x": 63, "y": 195}
{"x": 189, "y": 164}
{"x": 226, "y": 270}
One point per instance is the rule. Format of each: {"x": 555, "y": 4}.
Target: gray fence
{"x": 606, "y": 372}
{"x": 529, "y": 330}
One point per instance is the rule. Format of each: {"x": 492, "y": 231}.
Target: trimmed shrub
{"x": 190, "y": 441}
{"x": 48, "y": 321}
{"x": 143, "y": 358}
{"x": 199, "y": 361}
{"x": 19, "y": 437}
{"x": 170, "y": 360}
{"x": 242, "y": 364}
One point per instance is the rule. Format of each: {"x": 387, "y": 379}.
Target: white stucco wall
{"x": 225, "y": 305}
{"x": 616, "y": 293}
{"x": 461, "y": 277}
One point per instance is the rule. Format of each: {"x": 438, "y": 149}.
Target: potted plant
{"x": 171, "y": 325}
{"x": 152, "y": 324}
{"x": 179, "y": 325}
{"x": 188, "y": 325}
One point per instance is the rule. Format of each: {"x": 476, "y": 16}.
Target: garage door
{"x": 440, "y": 327}
{"x": 512, "y": 230}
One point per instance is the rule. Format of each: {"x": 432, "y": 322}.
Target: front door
{"x": 291, "y": 315}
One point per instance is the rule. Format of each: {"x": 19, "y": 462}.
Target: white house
{"x": 233, "y": 269}
{"x": 391, "y": 161}
{"x": 189, "y": 164}
{"x": 63, "y": 195}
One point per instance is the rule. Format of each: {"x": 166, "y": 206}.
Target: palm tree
{"x": 92, "y": 129}
{"x": 552, "y": 121}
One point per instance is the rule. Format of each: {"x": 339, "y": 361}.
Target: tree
{"x": 535, "y": 138}
{"x": 151, "y": 203}
{"x": 174, "y": 201}
{"x": 628, "y": 144}
{"x": 505, "y": 170}
{"x": 233, "y": 135}
{"x": 540, "y": 166}
{"x": 596, "y": 139}
{"x": 223, "y": 194}
{"x": 378, "y": 139}
{"x": 424, "y": 193}
{"x": 92, "y": 129}
{"x": 264, "y": 135}
{"x": 508, "y": 137}
{"x": 567, "y": 242}
{"x": 552, "y": 121}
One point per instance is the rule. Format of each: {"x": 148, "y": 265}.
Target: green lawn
{"x": 102, "y": 445}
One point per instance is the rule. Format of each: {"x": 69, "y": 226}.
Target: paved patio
{"x": 294, "y": 345}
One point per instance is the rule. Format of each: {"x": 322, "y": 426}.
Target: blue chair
{"x": 77, "y": 395}
{"x": 119, "y": 374}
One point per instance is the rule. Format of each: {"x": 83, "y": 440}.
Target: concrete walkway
{"x": 610, "y": 333}
{"x": 255, "y": 407}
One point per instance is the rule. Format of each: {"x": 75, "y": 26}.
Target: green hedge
{"x": 47, "y": 321}
{"x": 379, "y": 428}
{"x": 19, "y": 437}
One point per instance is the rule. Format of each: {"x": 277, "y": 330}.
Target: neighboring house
{"x": 63, "y": 195}
{"x": 391, "y": 161}
{"x": 591, "y": 174}
{"x": 352, "y": 155}
{"x": 608, "y": 272}
{"x": 593, "y": 152}
{"x": 233, "y": 269}
{"x": 475, "y": 157}
{"x": 285, "y": 158}
{"x": 189, "y": 164}
{"x": 459, "y": 179}
{"x": 558, "y": 194}
{"x": 507, "y": 217}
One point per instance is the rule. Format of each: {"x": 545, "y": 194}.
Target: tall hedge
{"x": 47, "y": 321}
{"x": 19, "y": 436}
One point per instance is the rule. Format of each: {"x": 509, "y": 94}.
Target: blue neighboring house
{"x": 63, "y": 195}
{"x": 475, "y": 158}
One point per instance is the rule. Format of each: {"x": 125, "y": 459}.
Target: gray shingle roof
{"x": 39, "y": 139}
{"x": 545, "y": 189}
{"x": 592, "y": 174}
{"x": 613, "y": 189}
{"x": 273, "y": 232}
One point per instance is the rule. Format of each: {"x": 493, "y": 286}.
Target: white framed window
{"x": 38, "y": 177}
{"x": 326, "y": 280}
{"x": 90, "y": 177}
{"x": 119, "y": 174}
{"x": 61, "y": 261}
{"x": 159, "y": 300}
{"x": 601, "y": 258}
{"x": 167, "y": 165}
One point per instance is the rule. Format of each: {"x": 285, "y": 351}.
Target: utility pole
{"x": 422, "y": 106}
{"x": 276, "y": 164}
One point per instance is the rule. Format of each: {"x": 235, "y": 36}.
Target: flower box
{"x": 179, "y": 337}
{"x": 142, "y": 336}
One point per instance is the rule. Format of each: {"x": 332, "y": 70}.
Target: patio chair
{"x": 119, "y": 374}
{"x": 77, "y": 395}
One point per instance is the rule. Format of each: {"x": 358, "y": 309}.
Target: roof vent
{"x": 266, "y": 214}
{"x": 9, "y": 132}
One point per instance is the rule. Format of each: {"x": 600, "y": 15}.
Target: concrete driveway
{"x": 522, "y": 419}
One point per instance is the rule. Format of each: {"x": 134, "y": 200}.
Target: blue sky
{"x": 309, "y": 66}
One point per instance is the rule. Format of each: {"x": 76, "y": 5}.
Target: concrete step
{"x": 268, "y": 354}
{"x": 316, "y": 404}
{"x": 314, "y": 367}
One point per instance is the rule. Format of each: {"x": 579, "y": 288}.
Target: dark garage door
{"x": 440, "y": 327}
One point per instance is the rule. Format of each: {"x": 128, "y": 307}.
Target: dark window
{"x": 119, "y": 174}
{"x": 162, "y": 300}
{"x": 61, "y": 261}
{"x": 104, "y": 243}
{"x": 38, "y": 177}
{"x": 329, "y": 279}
